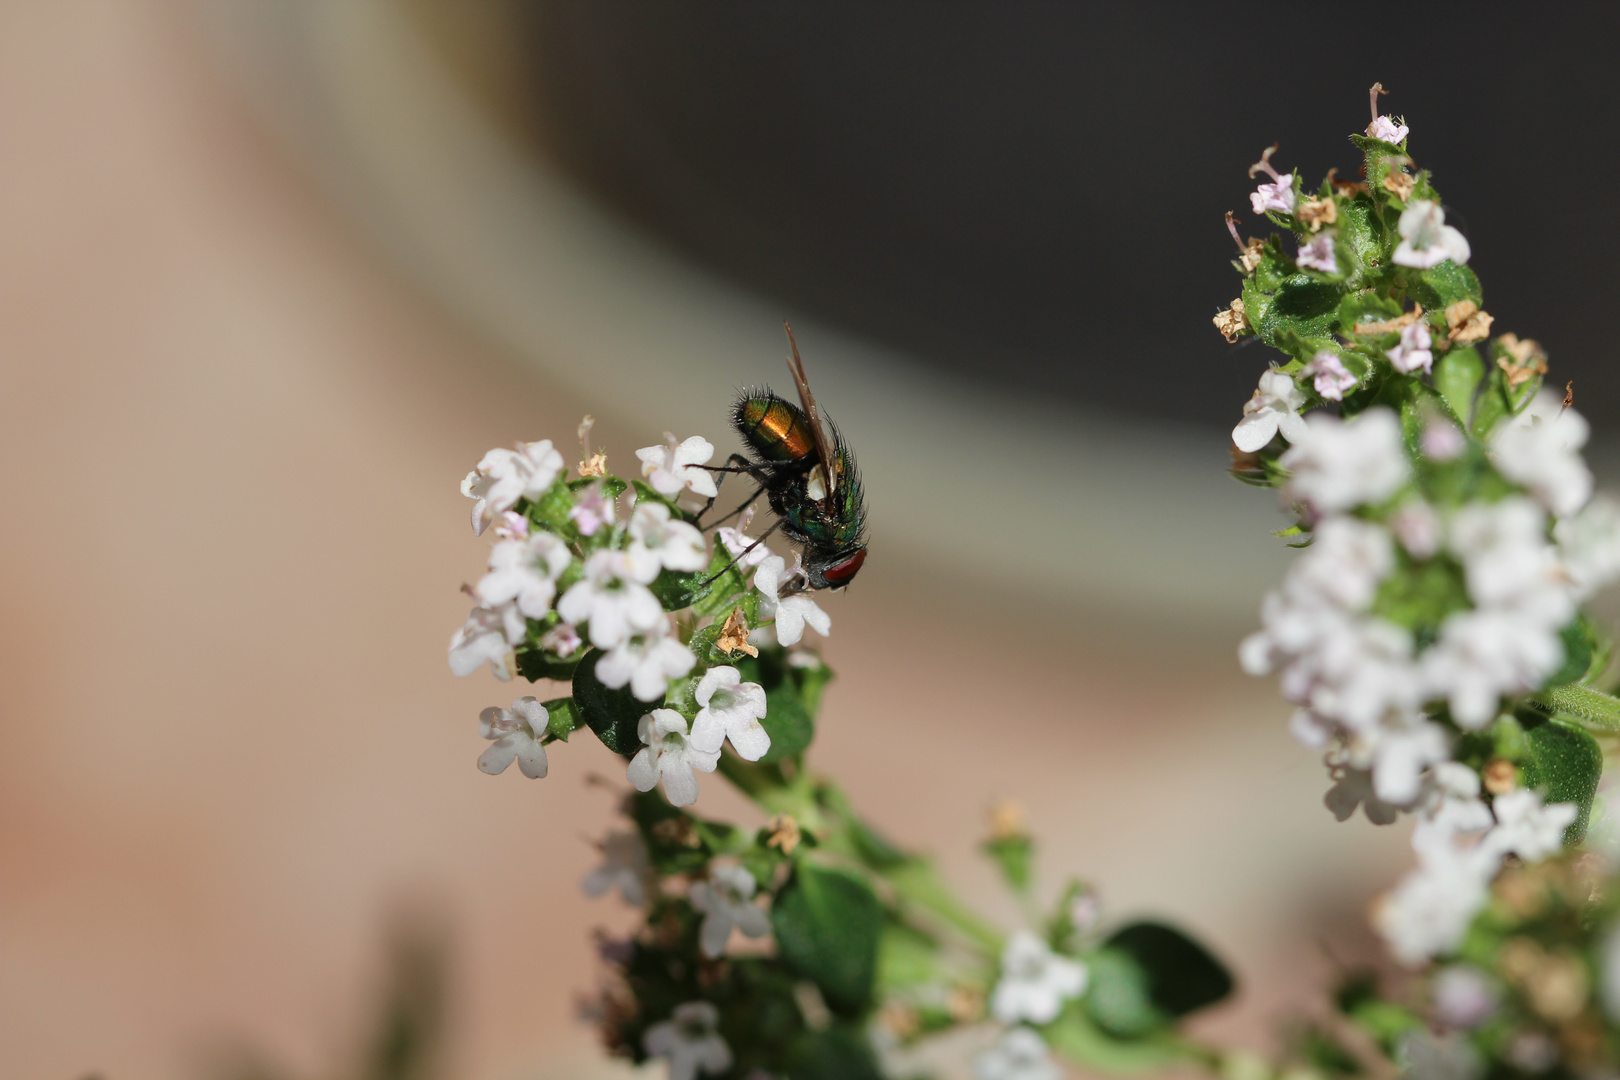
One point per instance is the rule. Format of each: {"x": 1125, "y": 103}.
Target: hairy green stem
{"x": 1584, "y": 703}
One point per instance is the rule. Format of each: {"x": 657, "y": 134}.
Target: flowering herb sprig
{"x": 812, "y": 947}
{"x": 1431, "y": 634}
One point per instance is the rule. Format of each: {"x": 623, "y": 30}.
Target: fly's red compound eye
{"x": 839, "y": 574}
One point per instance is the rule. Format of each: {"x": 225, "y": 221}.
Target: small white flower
{"x": 625, "y": 866}
{"x": 1035, "y": 981}
{"x": 1273, "y": 408}
{"x": 1420, "y": 1053}
{"x": 1465, "y": 997}
{"x": 1353, "y": 788}
{"x": 1415, "y": 351}
{"x": 510, "y": 525}
{"x": 1418, "y": 527}
{"x": 1483, "y": 654}
{"x": 612, "y": 600}
{"x": 1318, "y": 255}
{"x": 592, "y": 510}
{"x": 646, "y": 663}
{"x": 1429, "y": 911}
{"x": 561, "y": 639}
{"x": 1277, "y": 195}
{"x": 1387, "y": 130}
{"x": 1526, "y": 828}
{"x": 1020, "y": 1055}
{"x": 731, "y": 709}
{"x": 1347, "y": 560}
{"x": 516, "y": 733}
{"x": 726, "y": 900}
{"x": 1332, "y": 377}
{"x": 1312, "y": 730}
{"x": 672, "y": 467}
{"x": 1589, "y": 546}
{"x": 483, "y": 637}
{"x": 505, "y": 476}
{"x": 1340, "y": 464}
{"x": 1541, "y": 449}
{"x": 1442, "y": 440}
{"x": 525, "y": 572}
{"x": 659, "y": 543}
{"x": 668, "y": 755}
{"x": 1451, "y": 807}
{"x": 690, "y": 1042}
{"x": 1398, "y": 750}
{"x": 791, "y": 612}
{"x": 1504, "y": 548}
{"x": 1426, "y": 239}
{"x": 738, "y": 542}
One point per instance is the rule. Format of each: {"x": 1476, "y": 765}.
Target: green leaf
{"x": 563, "y": 718}
{"x": 1457, "y": 375}
{"x": 1012, "y": 855}
{"x": 612, "y": 714}
{"x": 828, "y": 923}
{"x": 1564, "y": 765}
{"x": 839, "y": 1053}
{"x": 709, "y": 591}
{"x": 550, "y": 510}
{"x": 536, "y": 664}
{"x": 1361, "y": 237}
{"x": 1301, "y": 306}
{"x": 1438, "y": 287}
{"x": 1182, "y": 975}
{"x": 907, "y": 957}
{"x": 1118, "y": 997}
{"x": 1075, "y": 1036}
{"x": 787, "y": 723}
{"x": 1493, "y": 405}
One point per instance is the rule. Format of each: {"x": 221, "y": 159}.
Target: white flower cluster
{"x": 1034, "y": 984}
{"x": 1364, "y": 687}
{"x": 610, "y": 605}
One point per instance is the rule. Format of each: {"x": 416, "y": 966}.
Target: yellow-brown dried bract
{"x": 734, "y": 635}
{"x": 595, "y": 465}
{"x": 1007, "y": 821}
{"x": 1569, "y": 393}
{"x": 1528, "y": 359}
{"x": 1501, "y": 776}
{"x": 1249, "y": 257}
{"x": 1399, "y": 184}
{"x": 965, "y": 1004}
{"x": 901, "y": 1021}
{"x": 1232, "y": 322}
{"x": 1317, "y": 213}
{"x": 1468, "y": 322}
{"x": 1390, "y": 326}
{"x": 785, "y": 833}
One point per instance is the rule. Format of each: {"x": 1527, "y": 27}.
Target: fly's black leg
{"x": 746, "y": 466}
{"x": 746, "y": 504}
{"x": 743, "y": 553}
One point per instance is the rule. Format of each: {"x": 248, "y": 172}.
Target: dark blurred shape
{"x": 1032, "y": 194}
{"x": 406, "y": 1040}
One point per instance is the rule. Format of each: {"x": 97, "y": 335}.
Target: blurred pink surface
{"x": 231, "y": 441}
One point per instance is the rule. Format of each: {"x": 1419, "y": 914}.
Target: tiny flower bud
{"x": 1500, "y": 776}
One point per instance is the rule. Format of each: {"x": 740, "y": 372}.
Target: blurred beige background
{"x": 233, "y": 427}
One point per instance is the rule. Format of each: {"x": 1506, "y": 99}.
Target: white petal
{"x": 531, "y": 758}
{"x": 680, "y": 786}
{"x": 753, "y": 921}
{"x": 708, "y": 734}
{"x": 499, "y": 755}
{"x": 641, "y": 772}
{"x": 750, "y": 740}
{"x": 716, "y": 930}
